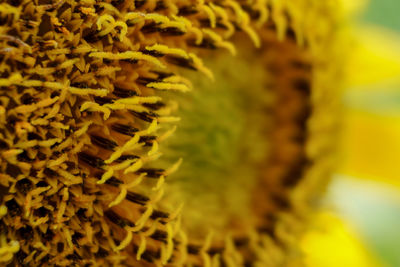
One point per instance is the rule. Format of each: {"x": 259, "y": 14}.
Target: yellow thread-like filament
{"x": 134, "y": 17}
{"x": 68, "y": 237}
{"x": 39, "y": 121}
{"x": 281, "y": 24}
{"x": 124, "y": 29}
{"x": 30, "y": 256}
{"x": 152, "y": 127}
{"x": 137, "y": 181}
{"x": 87, "y": 91}
{"x": 160, "y": 183}
{"x": 190, "y": 28}
{"x": 59, "y": 51}
{"x": 68, "y": 63}
{"x": 127, "y": 55}
{"x": 261, "y": 6}
{"x": 127, "y": 240}
{"x": 221, "y": 12}
{"x": 210, "y": 14}
{"x": 142, "y": 247}
{"x": 27, "y": 144}
{"x": 239, "y": 12}
{"x": 230, "y": 254}
{"x": 207, "y": 242}
{"x": 220, "y": 42}
{"x": 163, "y": 49}
{"x": 206, "y": 259}
{"x": 41, "y": 246}
{"x": 178, "y": 79}
{"x": 170, "y": 244}
{"x": 39, "y": 221}
{"x": 167, "y": 119}
{"x": 107, "y": 70}
{"x": 169, "y": 86}
{"x": 253, "y": 36}
{"x": 183, "y": 254}
{"x": 7, "y": 250}
{"x": 11, "y": 155}
{"x": 158, "y": 196}
{"x": 173, "y": 168}
{"x": 111, "y": 243}
{"x": 145, "y": 216}
{"x": 162, "y": 261}
{"x": 111, "y": 8}
{"x": 70, "y": 178}
{"x": 57, "y": 162}
{"x": 123, "y": 165}
{"x": 3, "y": 211}
{"x": 177, "y": 212}
{"x": 133, "y": 141}
{"x": 93, "y": 106}
{"x": 106, "y": 20}
{"x": 166, "y": 22}
{"x": 121, "y": 196}
{"x": 199, "y": 65}
{"x": 139, "y": 100}
{"x": 83, "y": 129}
{"x": 50, "y": 142}
{"x": 177, "y": 224}
{"x": 106, "y": 23}
{"x": 134, "y": 167}
{"x": 63, "y": 205}
{"x": 203, "y": 252}
{"x": 88, "y": 10}
{"x": 154, "y": 148}
{"x": 8, "y": 9}
{"x": 124, "y": 190}
{"x": 28, "y": 198}
{"x": 16, "y": 79}
{"x": 107, "y": 175}
{"x": 215, "y": 260}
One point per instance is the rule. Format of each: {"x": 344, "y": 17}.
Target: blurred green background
{"x": 383, "y": 12}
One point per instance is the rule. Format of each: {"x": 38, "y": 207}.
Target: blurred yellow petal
{"x": 371, "y": 132}
{"x": 376, "y": 56}
{"x": 370, "y": 145}
{"x": 354, "y": 6}
{"x": 332, "y": 243}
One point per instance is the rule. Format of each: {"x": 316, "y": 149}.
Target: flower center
{"x": 242, "y": 138}
{"x": 223, "y": 139}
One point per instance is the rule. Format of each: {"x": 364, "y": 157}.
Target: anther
{"x": 124, "y": 129}
{"x": 145, "y": 116}
{"x": 116, "y": 219}
{"x": 137, "y": 198}
{"x": 103, "y": 142}
{"x": 123, "y": 93}
{"x": 151, "y": 172}
{"x": 182, "y": 62}
{"x": 93, "y": 161}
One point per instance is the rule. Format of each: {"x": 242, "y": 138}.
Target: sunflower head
{"x": 163, "y": 133}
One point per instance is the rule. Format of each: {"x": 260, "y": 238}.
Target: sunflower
{"x": 164, "y": 133}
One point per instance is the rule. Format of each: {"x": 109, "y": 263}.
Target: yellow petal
{"x": 330, "y": 243}
{"x": 370, "y": 145}
{"x": 375, "y": 58}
